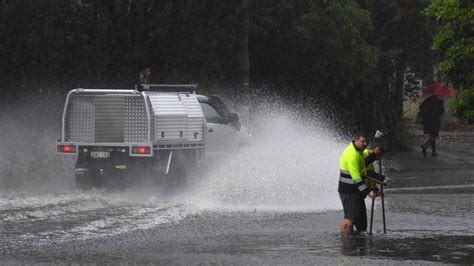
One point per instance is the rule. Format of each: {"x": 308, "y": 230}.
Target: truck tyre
{"x": 83, "y": 180}
{"x": 176, "y": 177}
{"x": 178, "y": 174}
{"x": 87, "y": 179}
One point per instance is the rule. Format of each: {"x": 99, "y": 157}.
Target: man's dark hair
{"x": 357, "y": 135}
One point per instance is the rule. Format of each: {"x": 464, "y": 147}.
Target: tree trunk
{"x": 118, "y": 8}
{"x": 140, "y": 22}
{"x": 4, "y": 9}
{"x": 244, "y": 43}
{"x": 397, "y": 101}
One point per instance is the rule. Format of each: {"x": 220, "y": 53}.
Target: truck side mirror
{"x": 233, "y": 117}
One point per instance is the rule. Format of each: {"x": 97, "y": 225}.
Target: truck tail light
{"x": 141, "y": 150}
{"x": 67, "y": 148}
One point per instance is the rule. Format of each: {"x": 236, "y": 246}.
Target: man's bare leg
{"x": 345, "y": 228}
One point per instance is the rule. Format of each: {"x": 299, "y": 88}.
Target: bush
{"x": 463, "y": 105}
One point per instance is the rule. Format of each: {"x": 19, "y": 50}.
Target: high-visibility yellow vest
{"x": 352, "y": 171}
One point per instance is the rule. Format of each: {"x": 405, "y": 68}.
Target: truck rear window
{"x": 212, "y": 116}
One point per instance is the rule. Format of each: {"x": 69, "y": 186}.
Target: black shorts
{"x": 354, "y": 206}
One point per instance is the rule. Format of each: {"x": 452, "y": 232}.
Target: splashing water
{"x": 73, "y": 215}
{"x": 292, "y": 165}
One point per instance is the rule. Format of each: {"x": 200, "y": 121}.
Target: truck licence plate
{"x": 100, "y": 154}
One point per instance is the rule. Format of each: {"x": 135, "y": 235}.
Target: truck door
{"x": 222, "y": 138}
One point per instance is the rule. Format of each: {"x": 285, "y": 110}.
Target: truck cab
{"x": 225, "y": 134}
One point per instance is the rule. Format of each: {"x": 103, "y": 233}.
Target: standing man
{"x": 144, "y": 76}
{"x": 353, "y": 187}
{"x": 431, "y": 110}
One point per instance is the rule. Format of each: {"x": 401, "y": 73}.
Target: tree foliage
{"x": 309, "y": 42}
{"x": 360, "y": 54}
{"x": 455, "y": 40}
{"x": 109, "y": 41}
{"x": 403, "y": 40}
{"x": 463, "y": 105}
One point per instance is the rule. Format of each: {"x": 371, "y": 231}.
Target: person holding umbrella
{"x": 430, "y": 111}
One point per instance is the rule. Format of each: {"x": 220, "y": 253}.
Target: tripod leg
{"x": 383, "y": 201}
{"x": 372, "y": 215}
{"x": 383, "y": 212}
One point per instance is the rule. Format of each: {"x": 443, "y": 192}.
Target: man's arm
{"x": 373, "y": 155}
{"x": 370, "y": 159}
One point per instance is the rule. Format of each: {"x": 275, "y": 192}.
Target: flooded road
{"x": 112, "y": 227}
{"x": 263, "y": 206}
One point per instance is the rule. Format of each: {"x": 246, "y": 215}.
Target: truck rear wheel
{"x": 87, "y": 179}
{"x": 177, "y": 173}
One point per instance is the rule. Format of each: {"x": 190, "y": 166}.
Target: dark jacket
{"x": 431, "y": 110}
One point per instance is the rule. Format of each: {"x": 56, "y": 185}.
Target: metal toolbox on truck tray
{"x": 143, "y": 120}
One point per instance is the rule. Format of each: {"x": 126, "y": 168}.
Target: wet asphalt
{"x": 429, "y": 217}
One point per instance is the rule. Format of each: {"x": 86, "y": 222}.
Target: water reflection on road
{"x": 452, "y": 249}
{"x": 109, "y": 227}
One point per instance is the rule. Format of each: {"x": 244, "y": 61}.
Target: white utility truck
{"x": 155, "y": 130}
